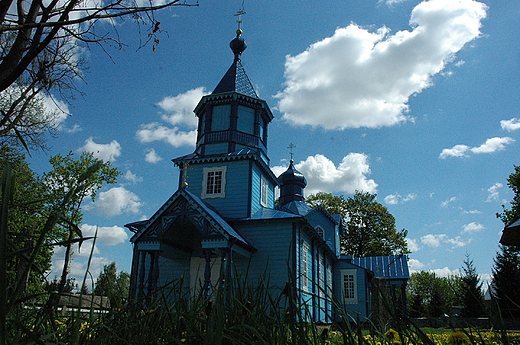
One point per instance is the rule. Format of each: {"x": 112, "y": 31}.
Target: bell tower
{"x": 230, "y": 167}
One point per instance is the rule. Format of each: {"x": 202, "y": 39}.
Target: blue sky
{"x": 415, "y": 101}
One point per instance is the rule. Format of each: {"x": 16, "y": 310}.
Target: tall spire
{"x": 236, "y": 79}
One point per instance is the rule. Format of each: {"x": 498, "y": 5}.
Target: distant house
{"x": 223, "y": 217}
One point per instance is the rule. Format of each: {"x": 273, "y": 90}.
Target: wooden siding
{"x": 212, "y": 149}
{"x": 329, "y": 229}
{"x": 360, "y": 310}
{"x": 273, "y": 241}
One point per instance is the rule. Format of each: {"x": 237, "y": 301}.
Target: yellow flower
{"x": 391, "y": 335}
{"x": 458, "y": 338}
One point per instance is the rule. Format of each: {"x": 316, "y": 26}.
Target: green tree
{"x": 432, "y": 296}
{"x": 369, "y": 227}
{"x": 510, "y": 215}
{"x": 471, "y": 288}
{"x": 113, "y": 285}
{"x": 506, "y": 281}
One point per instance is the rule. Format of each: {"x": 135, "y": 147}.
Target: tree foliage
{"x": 45, "y": 211}
{"x": 41, "y": 49}
{"x": 115, "y": 286}
{"x": 471, "y": 289}
{"x": 369, "y": 227}
{"x": 506, "y": 280}
{"x": 432, "y": 296}
{"x": 510, "y": 215}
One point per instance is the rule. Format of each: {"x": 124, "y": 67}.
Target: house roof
{"x": 388, "y": 267}
{"x": 269, "y": 213}
{"x": 236, "y": 80}
{"x": 211, "y": 215}
{"x": 511, "y": 234}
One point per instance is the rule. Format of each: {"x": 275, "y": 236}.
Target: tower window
{"x": 214, "y": 182}
{"x": 264, "y": 192}
{"x": 246, "y": 120}
{"x": 220, "y": 117}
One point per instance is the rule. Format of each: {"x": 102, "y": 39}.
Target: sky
{"x": 414, "y": 101}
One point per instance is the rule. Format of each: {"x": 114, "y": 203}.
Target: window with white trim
{"x": 214, "y": 182}
{"x": 305, "y": 266}
{"x": 349, "y": 286}
{"x": 264, "y": 192}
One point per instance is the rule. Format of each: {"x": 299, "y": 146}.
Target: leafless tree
{"x": 40, "y": 51}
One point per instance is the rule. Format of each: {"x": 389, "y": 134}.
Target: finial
{"x": 184, "y": 170}
{"x": 291, "y": 147}
{"x": 239, "y": 21}
{"x": 238, "y": 45}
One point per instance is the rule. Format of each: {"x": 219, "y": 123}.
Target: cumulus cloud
{"x": 415, "y": 265}
{"x": 179, "y": 109}
{"x": 115, "y": 201}
{"x": 494, "y": 192}
{"x": 510, "y": 125}
{"x": 177, "y": 112}
{"x": 152, "y": 157}
{"x": 109, "y": 236}
{"x": 445, "y": 272}
{"x": 106, "y": 152}
{"x": 156, "y": 132}
{"x": 412, "y": 244}
{"x": 131, "y": 177}
{"x": 357, "y": 78}
{"x": 435, "y": 241}
{"x": 394, "y": 199}
{"x": 323, "y": 176}
{"x": 491, "y": 145}
{"x": 473, "y": 227}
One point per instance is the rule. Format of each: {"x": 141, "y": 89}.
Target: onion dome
{"x": 238, "y": 45}
{"x": 292, "y": 182}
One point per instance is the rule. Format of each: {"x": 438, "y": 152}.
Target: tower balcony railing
{"x": 230, "y": 135}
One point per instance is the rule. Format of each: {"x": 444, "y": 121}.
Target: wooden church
{"x": 223, "y": 218}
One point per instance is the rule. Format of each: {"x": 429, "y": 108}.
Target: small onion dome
{"x": 292, "y": 182}
{"x": 238, "y": 45}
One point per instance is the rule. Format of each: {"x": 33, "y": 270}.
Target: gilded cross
{"x": 184, "y": 171}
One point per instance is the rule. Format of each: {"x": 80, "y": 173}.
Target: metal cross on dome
{"x": 291, "y": 147}
{"x": 239, "y": 15}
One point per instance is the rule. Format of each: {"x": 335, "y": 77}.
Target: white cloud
{"x": 179, "y": 109}
{"x": 449, "y": 201}
{"x": 394, "y": 199}
{"x": 130, "y": 176}
{"x": 494, "y": 192}
{"x": 412, "y": 244}
{"x": 445, "y": 272}
{"x": 491, "y": 145}
{"x": 473, "y": 227}
{"x": 323, "y": 176}
{"x": 455, "y": 151}
{"x": 510, "y": 125}
{"x": 115, "y": 201}
{"x": 178, "y": 112}
{"x": 152, "y": 157}
{"x": 435, "y": 240}
{"x": 109, "y": 236}
{"x": 156, "y": 132}
{"x": 432, "y": 240}
{"x": 358, "y": 78}
{"x": 415, "y": 265}
{"x": 106, "y": 152}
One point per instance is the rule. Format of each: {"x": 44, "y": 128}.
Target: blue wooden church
{"x": 223, "y": 218}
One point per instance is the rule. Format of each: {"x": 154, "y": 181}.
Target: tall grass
{"x": 237, "y": 312}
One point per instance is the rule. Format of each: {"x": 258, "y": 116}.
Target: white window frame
{"x": 349, "y": 286}
{"x": 209, "y": 174}
{"x": 264, "y": 192}
{"x": 304, "y": 274}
